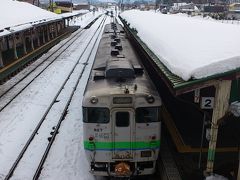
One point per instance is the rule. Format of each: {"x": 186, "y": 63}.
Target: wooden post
{"x": 14, "y": 47}
{"x": 56, "y": 29}
{"x": 32, "y": 44}
{"x": 220, "y": 108}
{"x": 48, "y": 36}
{"x": 24, "y": 43}
{"x": 43, "y": 34}
{"x": 64, "y": 23}
{"x": 1, "y": 61}
{"x": 38, "y": 36}
{"x": 52, "y": 31}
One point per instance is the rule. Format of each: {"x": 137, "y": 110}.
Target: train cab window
{"x": 96, "y": 115}
{"x": 122, "y": 119}
{"x": 147, "y": 114}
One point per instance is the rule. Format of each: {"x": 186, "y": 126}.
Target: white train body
{"x": 121, "y": 110}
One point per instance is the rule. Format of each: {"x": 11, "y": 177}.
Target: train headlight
{"x": 94, "y": 100}
{"x": 150, "y": 99}
{"x": 91, "y": 138}
{"x": 146, "y": 153}
{"x": 153, "y": 138}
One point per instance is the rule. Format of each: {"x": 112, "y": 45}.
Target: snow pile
{"x": 235, "y": 108}
{"x": 216, "y": 177}
{"x": 188, "y": 47}
{"x": 15, "y": 13}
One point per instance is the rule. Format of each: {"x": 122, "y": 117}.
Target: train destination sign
{"x": 122, "y": 100}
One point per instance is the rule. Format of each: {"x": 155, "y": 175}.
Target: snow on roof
{"x": 15, "y": 13}
{"x": 188, "y": 47}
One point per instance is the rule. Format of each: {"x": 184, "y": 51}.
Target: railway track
{"x": 55, "y": 113}
{"x": 13, "y": 90}
{"x": 168, "y": 169}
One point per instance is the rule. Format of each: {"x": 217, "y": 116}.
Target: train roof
{"x": 117, "y": 69}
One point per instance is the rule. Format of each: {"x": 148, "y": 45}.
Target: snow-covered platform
{"x": 195, "y": 65}
{"x": 188, "y": 51}
{"x": 17, "y": 16}
{"x": 26, "y": 31}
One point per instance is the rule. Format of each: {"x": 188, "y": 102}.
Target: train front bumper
{"x": 123, "y": 169}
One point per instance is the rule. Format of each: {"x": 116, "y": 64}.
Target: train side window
{"x": 96, "y": 115}
{"x": 147, "y": 114}
{"x": 122, "y": 119}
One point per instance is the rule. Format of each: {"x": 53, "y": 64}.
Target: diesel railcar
{"x": 121, "y": 111}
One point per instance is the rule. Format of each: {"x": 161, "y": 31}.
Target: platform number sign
{"x": 207, "y": 102}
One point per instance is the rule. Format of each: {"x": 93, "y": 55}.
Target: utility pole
{"x": 51, "y": 5}
{"x": 38, "y": 3}
{"x": 157, "y": 3}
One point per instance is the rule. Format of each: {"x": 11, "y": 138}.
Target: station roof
{"x": 17, "y": 16}
{"x": 189, "y": 52}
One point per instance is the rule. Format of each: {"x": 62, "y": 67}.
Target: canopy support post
{"x": 1, "y": 59}
{"x": 221, "y": 104}
{"x": 14, "y": 46}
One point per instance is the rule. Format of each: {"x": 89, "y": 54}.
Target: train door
{"x": 123, "y": 128}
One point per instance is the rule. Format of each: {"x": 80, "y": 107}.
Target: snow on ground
{"x": 216, "y": 177}
{"x": 188, "y": 47}
{"x": 18, "y": 120}
{"x": 235, "y": 108}
{"x": 67, "y": 159}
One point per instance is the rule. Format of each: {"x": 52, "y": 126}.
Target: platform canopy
{"x": 21, "y": 15}
{"x": 190, "y": 48}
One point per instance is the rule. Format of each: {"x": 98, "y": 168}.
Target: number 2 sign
{"x": 207, "y": 102}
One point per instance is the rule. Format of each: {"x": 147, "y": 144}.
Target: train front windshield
{"x": 96, "y": 115}
{"x": 102, "y": 115}
{"x": 147, "y": 114}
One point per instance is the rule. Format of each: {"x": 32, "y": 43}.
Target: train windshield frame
{"x": 96, "y": 115}
{"x": 147, "y": 114}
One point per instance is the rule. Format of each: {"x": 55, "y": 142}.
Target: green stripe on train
{"x": 121, "y": 145}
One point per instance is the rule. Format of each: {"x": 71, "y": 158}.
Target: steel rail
{"x": 50, "y": 55}
{"x": 15, "y": 164}
{"x": 39, "y": 169}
